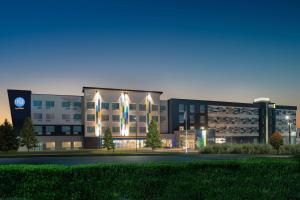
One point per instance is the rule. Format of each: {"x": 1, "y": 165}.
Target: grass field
{"x": 259, "y": 178}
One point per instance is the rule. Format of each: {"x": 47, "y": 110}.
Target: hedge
{"x": 243, "y": 179}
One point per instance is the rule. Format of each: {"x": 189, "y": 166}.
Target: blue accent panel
{"x": 19, "y": 113}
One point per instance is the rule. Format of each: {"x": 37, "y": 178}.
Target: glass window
{"x": 162, "y": 118}
{"x": 38, "y": 130}
{"x": 66, "y": 116}
{"x": 115, "y": 106}
{"x": 132, "y": 106}
{"x": 181, "y": 118}
{"x": 49, "y": 104}
{"x": 50, "y": 145}
{"x": 50, "y": 129}
{"x": 105, "y": 106}
{"x": 155, "y": 118}
{"x": 66, "y": 129}
{"x": 90, "y": 129}
{"x": 115, "y": 129}
{"x": 192, "y": 119}
{"x": 90, "y": 105}
{"x": 77, "y": 144}
{"x": 104, "y": 118}
{"x": 202, "y": 109}
{"x": 142, "y": 118}
{"x": 115, "y": 118}
{"x": 142, "y": 107}
{"x": 77, "y": 104}
{"x": 37, "y": 116}
{"x": 90, "y": 117}
{"x": 37, "y": 103}
{"x": 202, "y": 120}
{"x": 181, "y": 108}
{"x": 77, "y": 129}
{"x": 66, "y": 145}
{"x": 192, "y": 108}
{"x": 142, "y": 129}
{"x": 162, "y": 108}
{"x": 132, "y": 118}
{"x": 154, "y": 107}
{"x": 66, "y": 104}
{"x": 132, "y": 129}
{"x": 50, "y": 116}
{"x": 77, "y": 117}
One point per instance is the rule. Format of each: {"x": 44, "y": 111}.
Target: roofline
{"x": 70, "y": 95}
{"x": 120, "y": 89}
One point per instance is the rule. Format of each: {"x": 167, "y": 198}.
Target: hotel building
{"x": 72, "y": 122}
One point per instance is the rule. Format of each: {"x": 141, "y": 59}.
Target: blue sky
{"x": 220, "y": 50}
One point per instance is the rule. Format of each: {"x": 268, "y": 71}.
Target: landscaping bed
{"x": 257, "y": 178}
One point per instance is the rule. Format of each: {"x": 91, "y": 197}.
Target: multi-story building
{"x": 70, "y": 122}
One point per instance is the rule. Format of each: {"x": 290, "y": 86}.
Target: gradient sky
{"x": 214, "y": 50}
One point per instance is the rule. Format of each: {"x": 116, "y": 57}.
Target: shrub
{"x": 237, "y": 149}
{"x": 276, "y": 141}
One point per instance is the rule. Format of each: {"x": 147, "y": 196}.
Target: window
{"x": 77, "y": 129}
{"x": 50, "y": 145}
{"x": 115, "y": 129}
{"x": 105, "y": 106}
{"x": 104, "y": 118}
{"x": 181, "y": 128}
{"x": 66, "y": 145}
{"x": 181, "y": 108}
{"x": 104, "y": 129}
{"x": 49, "y": 104}
{"x": 115, "y": 106}
{"x": 132, "y": 106}
{"x": 90, "y": 117}
{"x": 66, "y": 104}
{"x": 37, "y": 103}
{"x": 142, "y": 118}
{"x": 38, "y": 130}
{"x": 202, "y": 109}
{"x": 66, "y": 129}
{"x": 50, "y": 129}
{"x": 142, "y": 107}
{"x": 162, "y": 108}
{"x": 90, "y": 105}
{"x": 49, "y": 116}
{"x": 65, "y": 116}
{"x": 192, "y": 119}
{"x": 162, "y": 118}
{"x": 192, "y": 128}
{"x": 202, "y": 120}
{"x": 154, "y": 107}
{"x": 90, "y": 129}
{"x": 77, "y": 117}
{"x": 77, "y": 104}
{"x": 77, "y": 144}
{"x": 37, "y": 116}
{"x": 192, "y": 108}
{"x": 181, "y": 118}
{"x": 115, "y": 118}
{"x": 132, "y": 118}
{"x": 132, "y": 129}
{"x": 155, "y": 118}
{"x": 142, "y": 129}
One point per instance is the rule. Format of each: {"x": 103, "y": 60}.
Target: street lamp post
{"x": 135, "y": 134}
{"x": 289, "y": 124}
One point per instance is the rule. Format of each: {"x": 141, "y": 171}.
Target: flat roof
{"x": 121, "y": 89}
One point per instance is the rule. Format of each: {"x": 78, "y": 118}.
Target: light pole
{"x": 186, "y": 131}
{"x": 135, "y": 133}
{"x": 289, "y": 124}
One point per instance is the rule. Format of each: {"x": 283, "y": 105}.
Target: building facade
{"x": 73, "y": 122}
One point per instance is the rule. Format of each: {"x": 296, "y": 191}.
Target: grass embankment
{"x": 243, "y": 179}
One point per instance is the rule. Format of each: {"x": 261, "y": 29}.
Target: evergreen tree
{"x": 108, "y": 140}
{"x": 8, "y": 137}
{"x": 28, "y": 138}
{"x": 153, "y": 136}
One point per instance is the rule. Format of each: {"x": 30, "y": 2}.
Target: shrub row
{"x": 249, "y": 149}
{"x": 244, "y": 179}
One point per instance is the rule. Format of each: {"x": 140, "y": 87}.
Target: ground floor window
{"x": 50, "y": 145}
{"x": 129, "y": 143}
{"x": 77, "y": 144}
{"x": 66, "y": 145}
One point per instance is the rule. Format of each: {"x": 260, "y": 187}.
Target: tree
{"x": 153, "y": 137}
{"x": 108, "y": 141}
{"x": 28, "y": 138}
{"x": 8, "y": 137}
{"x": 276, "y": 141}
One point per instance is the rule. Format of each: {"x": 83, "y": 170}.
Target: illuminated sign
{"x": 19, "y": 103}
{"x": 261, "y": 99}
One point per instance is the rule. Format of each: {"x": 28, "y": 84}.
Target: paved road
{"x": 75, "y": 160}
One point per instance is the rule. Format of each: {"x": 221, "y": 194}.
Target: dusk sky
{"x": 211, "y": 50}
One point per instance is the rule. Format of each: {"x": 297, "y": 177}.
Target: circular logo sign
{"x": 19, "y": 102}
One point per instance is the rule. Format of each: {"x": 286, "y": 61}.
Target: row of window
{"x": 116, "y": 118}
{"x": 51, "y": 129}
{"x": 181, "y": 119}
{"x": 116, "y": 106}
{"x": 51, "y": 116}
{"x": 183, "y": 108}
{"x": 116, "y": 129}
{"x": 50, "y": 104}
{"x": 64, "y": 145}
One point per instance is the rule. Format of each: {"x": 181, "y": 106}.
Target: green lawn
{"x": 256, "y": 178}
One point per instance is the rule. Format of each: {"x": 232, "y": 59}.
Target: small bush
{"x": 238, "y": 149}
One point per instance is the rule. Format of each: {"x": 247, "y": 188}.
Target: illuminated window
{"x": 181, "y": 128}
{"x": 77, "y": 144}
{"x": 66, "y": 145}
{"x": 192, "y": 128}
{"x": 50, "y": 145}
{"x": 90, "y": 117}
{"x": 90, "y": 105}
{"x": 115, "y": 106}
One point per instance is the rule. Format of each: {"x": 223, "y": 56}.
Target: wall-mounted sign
{"x": 19, "y": 102}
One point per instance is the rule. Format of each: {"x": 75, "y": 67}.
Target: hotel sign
{"x": 19, "y": 103}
